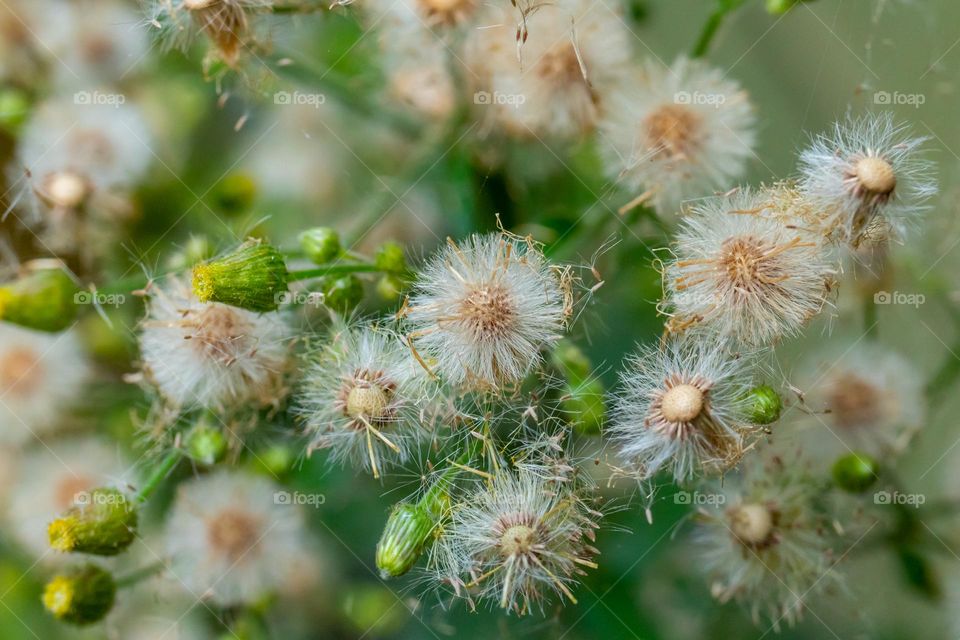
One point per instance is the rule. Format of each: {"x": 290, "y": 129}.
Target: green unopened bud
{"x": 321, "y": 244}
{"x": 584, "y": 406}
{"x": 765, "y": 405}
{"x": 14, "y": 106}
{"x": 390, "y": 258}
{"x": 571, "y": 360}
{"x": 779, "y": 7}
{"x": 389, "y": 287}
{"x": 101, "y": 522}
{"x": 342, "y": 294}
{"x": 82, "y": 596}
{"x": 275, "y": 460}
{"x": 855, "y": 472}
{"x": 43, "y": 297}
{"x": 253, "y": 277}
{"x": 205, "y": 444}
{"x": 404, "y": 538}
{"x": 236, "y": 193}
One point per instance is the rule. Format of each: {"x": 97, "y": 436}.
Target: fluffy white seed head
{"x": 232, "y": 540}
{"x": 681, "y": 408}
{"x": 482, "y": 311}
{"x": 677, "y": 132}
{"x": 871, "y": 400}
{"x": 867, "y": 170}
{"x": 742, "y": 270}
{"x": 212, "y": 355}
{"x": 361, "y": 398}
{"x": 226, "y": 23}
{"x": 766, "y": 544}
{"x": 42, "y": 376}
{"x": 546, "y": 72}
{"x": 517, "y": 541}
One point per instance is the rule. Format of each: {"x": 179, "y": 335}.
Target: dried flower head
{"x": 233, "y": 537}
{"x": 745, "y": 272}
{"x": 361, "y": 398}
{"x": 766, "y": 544}
{"x": 516, "y": 541}
{"x": 868, "y": 169}
{"x": 227, "y": 23}
{"x": 683, "y": 407}
{"x": 41, "y": 376}
{"x": 871, "y": 399}
{"x": 481, "y": 311}
{"x": 548, "y": 75}
{"x": 211, "y": 355}
{"x": 677, "y": 132}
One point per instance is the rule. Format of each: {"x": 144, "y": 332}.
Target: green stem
{"x": 870, "y": 324}
{"x": 286, "y": 9}
{"x": 159, "y": 475}
{"x": 332, "y": 270}
{"x": 138, "y": 575}
{"x": 724, "y": 7}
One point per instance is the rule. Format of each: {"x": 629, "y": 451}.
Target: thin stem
{"x": 159, "y": 474}
{"x": 138, "y": 575}
{"x": 724, "y": 7}
{"x": 332, "y": 270}
{"x": 870, "y": 324}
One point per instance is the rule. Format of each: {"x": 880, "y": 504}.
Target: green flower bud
{"x": 571, "y": 360}
{"x": 205, "y": 444}
{"x": 102, "y": 522}
{"x": 43, "y": 297}
{"x": 321, "y": 244}
{"x": 14, "y": 106}
{"x": 390, "y": 258}
{"x": 274, "y": 461}
{"x": 855, "y": 472}
{"x": 404, "y": 537}
{"x": 389, "y": 287}
{"x": 342, "y": 294}
{"x": 253, "y": 277}
{"x": 765, "y": 406}
{"x": 584, "y": 406}
{"x": 82, "y": 596}
{"x": 779, "y": 7}
{"x": 236, "y": 193}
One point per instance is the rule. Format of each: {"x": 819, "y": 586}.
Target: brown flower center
{"x": 487, "y": 311}
{"x": 682, "y": 403}
{"x": 875, "y": 175}
{"x": 233, "y": 533}
{"x": 673, "y": 130}
{"x": 853, "y": 401}
{"x": 21, "y": 372}
{"x": 753, "y": 525}
{"x": 220, "y": 332}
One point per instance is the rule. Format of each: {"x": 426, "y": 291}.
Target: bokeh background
{"x": 349, "y": 161}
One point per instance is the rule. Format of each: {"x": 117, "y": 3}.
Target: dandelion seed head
{"x": 867, "y": 169}
{"x": 211, "y": 355}
{"x": 676, "y": 132}
{"x": 481, "y": 311}
{"x": 744, "y": 272}
{"x": 681, "y": 408}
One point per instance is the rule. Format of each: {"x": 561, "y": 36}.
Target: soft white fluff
{"x": 482, "y": 311}
{"x": 211, "y": 355}
{"x": 742, "y": 271}
{"x": 828, "y": 181}
{"x": 711, "y": 442}
{"x": 233, "y": 537}
{"x": 42, "y": 376}
{"x": 677, "y": 133}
